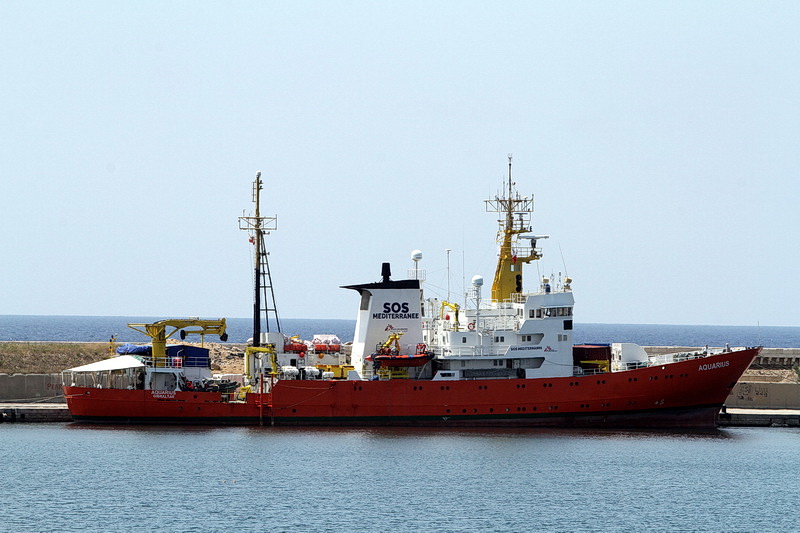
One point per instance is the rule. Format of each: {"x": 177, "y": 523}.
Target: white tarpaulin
{"x": 115, "y": 363}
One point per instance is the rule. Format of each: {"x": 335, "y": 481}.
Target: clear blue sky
{"x": 661, "y": 139}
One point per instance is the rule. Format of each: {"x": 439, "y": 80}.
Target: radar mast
{"x": 263, "y": 296}
{"x": 515, "y": 220}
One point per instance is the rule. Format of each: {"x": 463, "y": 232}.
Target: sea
{"x": 102, "y": 328}
{"x": 78, "y": 478}
{"x": 70, "y": 477}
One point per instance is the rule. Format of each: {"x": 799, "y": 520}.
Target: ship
{"x": 506, "y": 360}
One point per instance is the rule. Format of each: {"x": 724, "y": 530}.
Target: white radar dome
{"x": 416, "y": 255}
{"x": 477, "y": 280}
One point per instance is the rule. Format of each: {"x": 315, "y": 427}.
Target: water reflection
{"x": 382, "y": 432}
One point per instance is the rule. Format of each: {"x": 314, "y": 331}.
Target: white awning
{"x": 115, "y": 363}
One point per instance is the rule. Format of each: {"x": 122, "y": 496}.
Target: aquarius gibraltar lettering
{"x": 713, "y": 366}
{"x": 395, "y": 311}
{"x": 163, "y": 394}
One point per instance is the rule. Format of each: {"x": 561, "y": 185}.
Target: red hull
{"x": 686, "y": 394}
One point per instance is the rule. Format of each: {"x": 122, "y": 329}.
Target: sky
{"x": 659, "y": 139}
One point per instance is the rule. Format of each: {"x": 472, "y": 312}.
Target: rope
{"x": 31, "y": 400}
{"x": 330, "y": 387}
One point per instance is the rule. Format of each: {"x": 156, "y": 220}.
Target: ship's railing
{"x": 666, "y": 358}
{"x": 580, "y": 371}
{"x": 486, "y": 324}
{"x": 519, "y": 297}
{"x": 176, "y": 361}
{"x": 469, "y": 351}
{"x": 506, "y": 304}
{"x": 661, "y": 359}
{"x": 492, "y": 323}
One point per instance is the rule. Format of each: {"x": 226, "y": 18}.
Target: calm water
{"x": 90, "y": 328}
{"x": 67, "y": 477}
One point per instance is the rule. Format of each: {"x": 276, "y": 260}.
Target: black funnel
{"x": 386, "y": 271}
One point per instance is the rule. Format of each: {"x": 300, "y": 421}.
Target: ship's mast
{"x": 264, "y": 295}
{"x": 517, "y": 211}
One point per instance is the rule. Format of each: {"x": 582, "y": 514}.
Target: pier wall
{"x": 759, "y": 395}
{"x": 31, "y": 388}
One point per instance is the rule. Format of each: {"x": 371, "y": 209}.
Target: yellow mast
{"x": 516, "y": 221}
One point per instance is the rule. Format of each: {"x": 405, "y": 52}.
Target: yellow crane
{"x": 394, "y": 338}
{"x": 454, "y": 307}
{"x": 157, "y": 331}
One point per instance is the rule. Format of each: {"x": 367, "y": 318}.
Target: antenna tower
{"x": 263, "y": 296}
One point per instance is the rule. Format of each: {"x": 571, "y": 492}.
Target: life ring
{"x": 471, "y": 326}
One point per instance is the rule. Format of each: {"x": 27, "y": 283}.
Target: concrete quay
{"x": 34, "y": 412}
{"x": 734, "y": 417}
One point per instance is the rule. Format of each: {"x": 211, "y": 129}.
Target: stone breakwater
{"x": 53, "y": 357}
